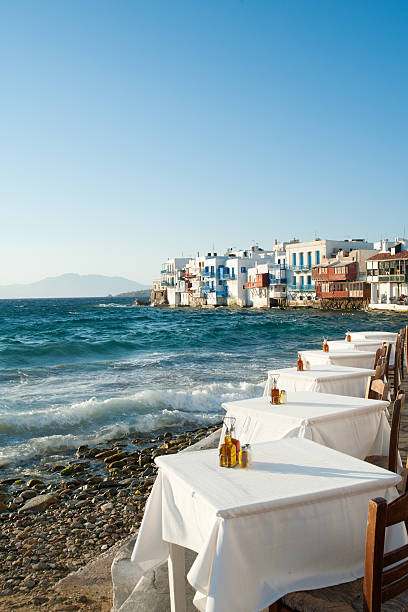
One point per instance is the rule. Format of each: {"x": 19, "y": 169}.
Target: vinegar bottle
{"x": 325, "y": 345}
{"x": 235, "y": 441}
{"x": 275, "y": 393}
{"x": 300, "y": 363}
{"x": 348, "y": 337}
{"x": 227, "y": 453}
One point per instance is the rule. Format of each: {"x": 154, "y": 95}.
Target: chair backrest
{"x": 395, "y": 429}
{"x": 405, "y": 480}
{"x": 397, "y": 364}
{"x": 380, "y": 353}
{"x": 388, "y": 346}
{"x": 377, "y": 389}
{"x": 380, "y": 583}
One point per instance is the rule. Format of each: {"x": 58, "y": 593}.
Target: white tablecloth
{"x": 352, "y": 425}
{"x": 374, "y": 335}
{"x": 353, "y": 359}
{"x": 355, "y": 345}
{"x": 295, "y": 520}
{"x": 361, "y": 345}
{"x": 324, "y": 379}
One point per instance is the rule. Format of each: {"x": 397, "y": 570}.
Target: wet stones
{"x": 38, "y": 503}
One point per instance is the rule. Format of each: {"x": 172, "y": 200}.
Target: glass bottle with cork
{"x": 227, "y": 452}
{"x": 299, "y": 364}
{"x": 348, "y": 336}
{"x": 275, "y": 394}
{"x": 245, "y": 456}
{"x": 325, "y": 345}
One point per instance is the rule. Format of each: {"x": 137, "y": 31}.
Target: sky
{"x": 131, "y": 131}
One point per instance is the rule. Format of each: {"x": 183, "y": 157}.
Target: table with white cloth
{"x": 351, "y": 358}
{"x": 356, "y": 426}
{"x": 374, "y": 335}
{"x": 295, "y": 520}
{"x": 324, "y": 379}
{"x": 361, "y": 345}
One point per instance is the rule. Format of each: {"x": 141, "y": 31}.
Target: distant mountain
{"x": 143, "y": 293}
{"x": 71, "y": 285}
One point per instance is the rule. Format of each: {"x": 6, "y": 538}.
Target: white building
{"x": 266, "y": 285}
{"x": 301, "y": 257}
{"x": 171, "y": 275}
{"x": 387, "y": 272}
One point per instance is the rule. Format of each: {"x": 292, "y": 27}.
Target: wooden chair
{"x": 382, "y": 357}
{"x": 403, "y": 333}
{"x": 381, "y": 583}
{"x": 395, "y": 369}
{"x": 391, "y": 462}
{"x": 377, "y": 388}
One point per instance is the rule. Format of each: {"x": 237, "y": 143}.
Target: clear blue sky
{"x": 134, "y": 130}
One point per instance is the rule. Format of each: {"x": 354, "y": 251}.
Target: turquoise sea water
{"x": 82, "y": 371}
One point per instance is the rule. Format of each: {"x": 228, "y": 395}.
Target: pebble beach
{"x": 95, "y": 501}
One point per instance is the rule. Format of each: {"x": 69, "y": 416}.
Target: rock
{"x": 38, "y": 503}
{"x": 27, "y": 494}
{"x": 56, "y": 468}
{"x": 72, "y": 469}
{"x": 104, "y": 547}
{"x": 3, "y": 507}
{"x": 34, "y": 481}
{"x": 106, "y": 507}
{"x": 4, "y": 496}
{"x": 115, "y": 457}
{"x": 105, "y": 453}
{"x": 167, "y": 435}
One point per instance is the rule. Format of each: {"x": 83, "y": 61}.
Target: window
{"x": 309, "y": 259}
{"x": 212, "y": 270}
{"x": 302, "y": 281}
{"x": 301, "y": 259}
{"x": 243, "y": 269}
{"x": 294, "y": 259}
{"x": 294, "y": 281}
{"x": 309, "y": 280}
{"x": 317, "y": 257}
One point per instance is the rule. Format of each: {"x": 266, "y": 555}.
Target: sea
{"x": 85, "y": 371}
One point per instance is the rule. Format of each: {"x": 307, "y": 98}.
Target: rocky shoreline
{"x": 52, "y": 527}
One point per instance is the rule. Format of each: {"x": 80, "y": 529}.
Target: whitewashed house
{"x": 301, "y": 257}
{"x": 387, "y": 273}
{"x": 266, "y": 285}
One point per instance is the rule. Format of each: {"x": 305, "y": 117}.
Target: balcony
{"x": 277, "y": 281}
{"x": 227, "y": 276}
{"x": 302, "y": 267}
{"x": 301, "y": 287}
{"x": 208, "y": 274}
{"x": 392, "y": 278}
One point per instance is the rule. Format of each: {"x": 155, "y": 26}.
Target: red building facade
{"x": 339, "y": 280}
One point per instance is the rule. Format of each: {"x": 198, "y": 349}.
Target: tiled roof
{"x": 381, "y": 256}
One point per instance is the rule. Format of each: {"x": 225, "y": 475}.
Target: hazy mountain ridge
{"x": 71, "y": 285}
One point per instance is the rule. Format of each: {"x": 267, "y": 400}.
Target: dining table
{"x": 383, "y": 336}
{"x": 325, "y": 378}
{"x": 356, "y": 426}
{"x": 294, "y": 520}
{"x": 361, "y": 345}
{"x": 353, "y": 358}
